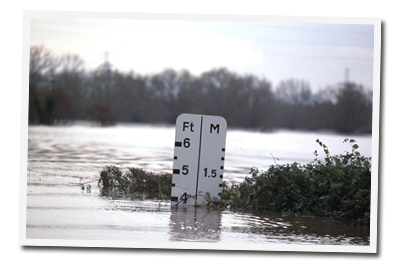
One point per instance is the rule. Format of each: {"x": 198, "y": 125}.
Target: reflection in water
{"x": 188, "y": 223}
{"x": 271, "y": 227}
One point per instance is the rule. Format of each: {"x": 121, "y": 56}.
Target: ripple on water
{"x": 58, "y": 208}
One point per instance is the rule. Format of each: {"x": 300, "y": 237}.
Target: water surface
{"x": 59, "y": 158}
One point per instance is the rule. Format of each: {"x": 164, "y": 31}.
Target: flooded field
{"x": 59, "y": 158}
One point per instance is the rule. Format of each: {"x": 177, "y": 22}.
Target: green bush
{"x": 338, "y": 188}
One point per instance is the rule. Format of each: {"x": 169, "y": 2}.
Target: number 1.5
{"x": 213, "y": 173}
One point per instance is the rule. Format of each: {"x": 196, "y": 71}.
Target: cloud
{"x": 355, "y": 52}
{"x": 153, "y": 53}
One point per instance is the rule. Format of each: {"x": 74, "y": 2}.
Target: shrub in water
{"x": 338, "y": 188}
{"x": 134, "y": 183}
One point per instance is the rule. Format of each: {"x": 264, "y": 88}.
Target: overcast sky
{"x": 317, "y": 53}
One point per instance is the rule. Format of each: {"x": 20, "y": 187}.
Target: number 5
{"x": 185, "y": 169}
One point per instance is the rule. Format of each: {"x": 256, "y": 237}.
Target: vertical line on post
{"x": 198, "y": 161}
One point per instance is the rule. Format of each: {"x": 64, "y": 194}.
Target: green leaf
{"x": 295, "y": 169}
{"x": 237, "y": 192}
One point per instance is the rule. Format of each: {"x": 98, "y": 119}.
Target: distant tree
{"x": 71, "y": 80}
{"x": 71, "y": 63}
{"x": 261, "y": 105}
{"x": 353, "y": 110}
{"x": 100, "y": 114}
{"x": 293, "y": 103}
{"x": 328, "y": 94}
{"x": 164, "y": 90}
{"x": 48, "y": 104}
{"x": 139, "y": 104}
{"x": 190, "y": 97}
{"x": 100, "y": 88}
{"x": 60, "y": 89}
{"x": 62, "y": 108}
{"x": 244, "y": 100}
{"x": 42, "y": 64}
{"x": 34, "y": 106}
{"x": 130, "y": 99}
{"x": 217, "y": 92}
{"x": 218, "y": 78}
{"x": 346, "y": 108}
{"x": 49, "y": 107}
{"x": 294, "y": 91}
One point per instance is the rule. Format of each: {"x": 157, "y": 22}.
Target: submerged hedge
{"x": 338, "y": 188}
{"x": 134, "y": 183}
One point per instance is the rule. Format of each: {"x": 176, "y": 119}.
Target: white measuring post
{"x": 199, "y": 157}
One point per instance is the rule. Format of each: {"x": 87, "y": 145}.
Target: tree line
{"x": 60, "y": 90}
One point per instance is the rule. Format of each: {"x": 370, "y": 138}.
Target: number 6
{"x": 186, "y": 143}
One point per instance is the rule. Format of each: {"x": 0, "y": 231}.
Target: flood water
{"x": 59, "y": 157}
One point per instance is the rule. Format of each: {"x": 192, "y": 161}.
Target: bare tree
{"x": 71, "y": 63}
{"x": 294, "y": 91}
{"x": 42, "y": 64}
{"x": 71, "y": 80}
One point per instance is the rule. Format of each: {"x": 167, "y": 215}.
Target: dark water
{"x": 59, "y": 158}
